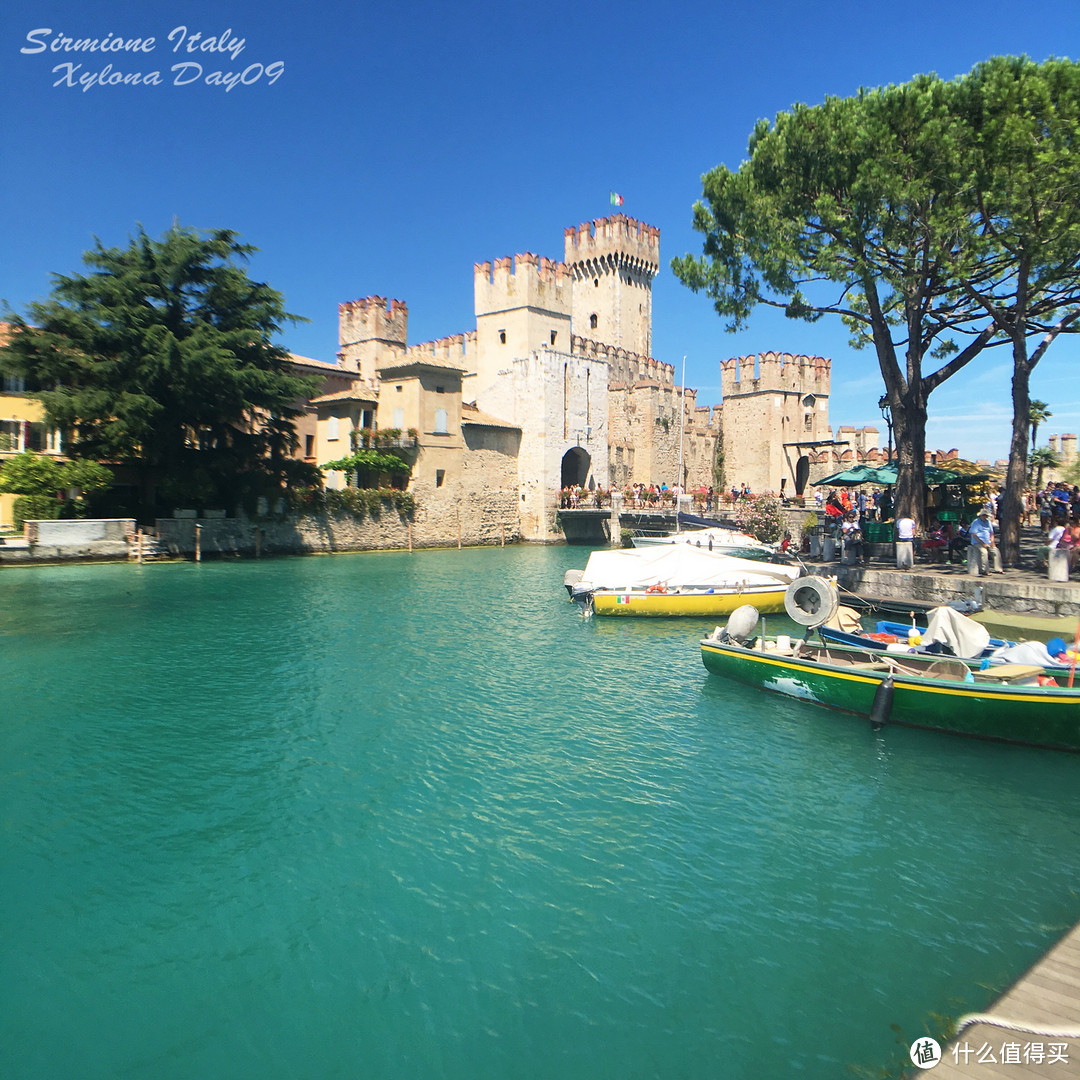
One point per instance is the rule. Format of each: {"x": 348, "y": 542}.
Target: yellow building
{"x": 22, "y": 427}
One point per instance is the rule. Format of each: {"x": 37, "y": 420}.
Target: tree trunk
{"x": 909, "y": 432}
{"x": 1010, "y": 508}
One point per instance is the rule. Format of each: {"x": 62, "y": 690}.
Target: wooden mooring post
{"x": 139, "y": 548}
{"x": 198, "y": 543}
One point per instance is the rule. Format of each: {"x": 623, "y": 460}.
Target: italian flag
{"x": 616, "y": 199}
{"x": 622, "y": 599}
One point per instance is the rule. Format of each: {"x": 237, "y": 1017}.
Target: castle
{"x": 556, "y": 386}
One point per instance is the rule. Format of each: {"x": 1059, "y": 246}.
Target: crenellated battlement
{"x": 373, "y": 318}
{"x": 773, "y": 372}
{"x": 522, "y": 281}
{"x": 453, "y": 351}
{"x": 1065, "y": 446}
{"x": 624, "y": 366}
{"x": 611, "y": 242}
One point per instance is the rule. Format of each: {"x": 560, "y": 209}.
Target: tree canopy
{"x": 161, "y": 356}
{"x": 917, "y": 214}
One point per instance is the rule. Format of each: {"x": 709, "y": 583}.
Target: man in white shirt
{"x": 905, "y": 543}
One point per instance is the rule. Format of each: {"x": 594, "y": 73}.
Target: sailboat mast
{"x": 682, "y": 429}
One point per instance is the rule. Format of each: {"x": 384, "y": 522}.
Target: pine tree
{"x": 161, "y": 357}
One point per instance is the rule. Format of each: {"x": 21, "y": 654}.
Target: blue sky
{"x": 399, "y": 144}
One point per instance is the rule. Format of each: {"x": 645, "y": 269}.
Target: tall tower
{"x": 613, "y": 261}
{"x": 776, "y": 406}
{"x": 371, "y": 332}
{"x": 522, "y": 305}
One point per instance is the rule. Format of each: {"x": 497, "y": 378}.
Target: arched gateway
{"x": 575, "y": 467}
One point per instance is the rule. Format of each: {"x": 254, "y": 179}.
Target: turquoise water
{"x": 393, "y": 816}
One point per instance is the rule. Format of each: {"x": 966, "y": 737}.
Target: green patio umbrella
{"x": 886, "y": 475}
{"x": 857, "y": 474}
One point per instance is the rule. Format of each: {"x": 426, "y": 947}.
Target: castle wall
{"x": 561, "y": 402}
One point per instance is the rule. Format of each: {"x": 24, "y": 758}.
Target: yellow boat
{"x": 709, "y": 603}
{"x": 674, "y": 579}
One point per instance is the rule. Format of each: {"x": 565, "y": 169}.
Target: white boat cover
{"x": 964, "y": 636}
{"x": 678, "y": 566}
{"x": 1025, "y": 652}
{"x": 720, "y": 537}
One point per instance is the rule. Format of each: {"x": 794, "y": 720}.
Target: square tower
{"x": 371, "y": 332}
{"x": 613, "y": 261}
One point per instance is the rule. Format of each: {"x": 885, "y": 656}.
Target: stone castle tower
{"x": 613, "y": 262}
{"x": 522, "y": 306}
{"x": 371, "y": 331}
{"x": 775, "y": 407}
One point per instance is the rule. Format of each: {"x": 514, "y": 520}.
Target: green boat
{"x": 1011, "y": 703}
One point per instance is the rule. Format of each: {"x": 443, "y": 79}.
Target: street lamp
{"x": 886, "y": 412}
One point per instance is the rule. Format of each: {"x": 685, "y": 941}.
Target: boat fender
{"x": 883, "y": 701}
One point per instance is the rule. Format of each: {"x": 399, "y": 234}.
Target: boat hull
{"x": 638, "y": 603}
{"x": 1029, "y": 715}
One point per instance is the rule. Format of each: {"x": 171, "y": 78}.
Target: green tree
{"x": 1022, "y": 121}
{"x": 853, "y": 208}
{"x": 364, "y": 466}
{"x": 32, "y": 474}
{"x": 1038, "y": 411}
{"x": 161, "y": 357}
{"x": 1042, "y": 459}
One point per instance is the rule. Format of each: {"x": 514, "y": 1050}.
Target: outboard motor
{"x": 570, "y": 579}
{"x": 740, "y": 626}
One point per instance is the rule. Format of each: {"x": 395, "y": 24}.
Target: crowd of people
{"x": 952, "y": 535}
{"x": 638, "y": 497}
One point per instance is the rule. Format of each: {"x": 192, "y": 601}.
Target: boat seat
{"x": 1010, "y": 673}
{"x": 871, "y": 665}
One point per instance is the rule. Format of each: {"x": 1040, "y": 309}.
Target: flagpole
{"x": 682, "y": 429}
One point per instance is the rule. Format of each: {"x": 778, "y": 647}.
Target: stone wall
{"x": 443, "y": 521}
{"x": 77, "y": 532}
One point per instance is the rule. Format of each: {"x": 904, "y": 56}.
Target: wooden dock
{"x": 1032, "y": 1032}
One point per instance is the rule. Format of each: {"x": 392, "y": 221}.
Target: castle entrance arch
{"x": 575, "y": 467}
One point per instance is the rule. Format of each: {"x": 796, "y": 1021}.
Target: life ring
{"x": 656, "y": 589}
{"x": 811, "y": 601}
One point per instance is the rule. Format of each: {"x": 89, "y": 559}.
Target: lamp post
{"x": 886, "y": 412}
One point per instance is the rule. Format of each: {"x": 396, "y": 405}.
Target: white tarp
{"x": 1026, "y": 652}
{"x": 964, "y": 636}
{"x": 677, "y": 566}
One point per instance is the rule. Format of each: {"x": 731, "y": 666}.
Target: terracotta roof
{"x": 355, "y": 393}
{"x": 418, "y": 363}
{"x": 470, "y": 414}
